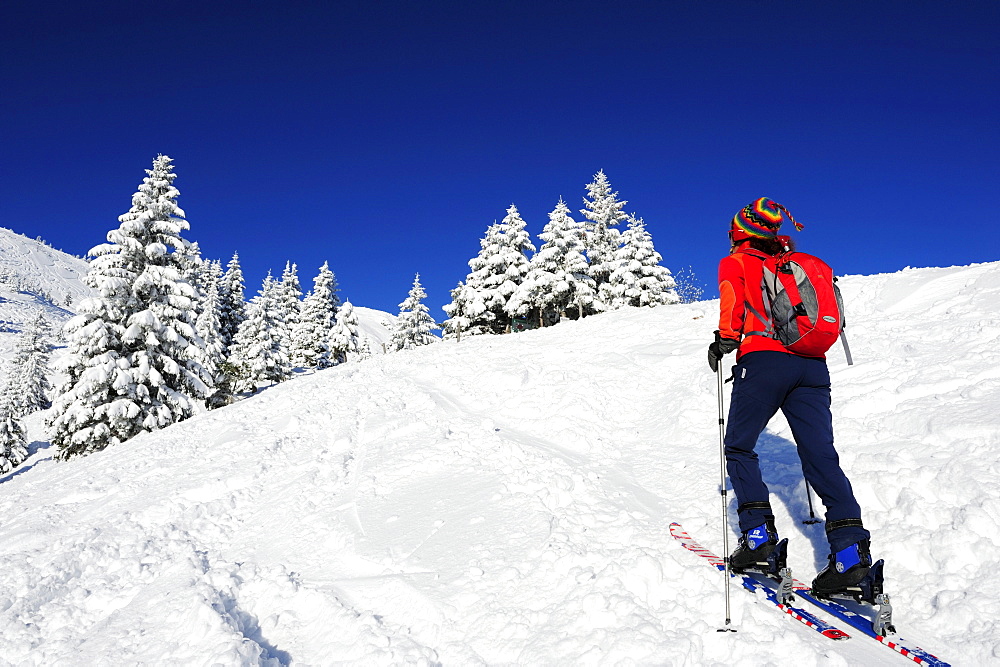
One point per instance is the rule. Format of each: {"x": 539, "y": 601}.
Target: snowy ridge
{"x": 36, "y": 279}
{"x": 508, "y": 500}
{"x": 52, "y": 270}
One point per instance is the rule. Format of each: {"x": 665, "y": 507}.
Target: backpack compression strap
{"x": 769, "y": 333}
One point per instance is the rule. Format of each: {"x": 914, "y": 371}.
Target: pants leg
{"x": 807, "y": 409}
{"x": 755, "y": 400}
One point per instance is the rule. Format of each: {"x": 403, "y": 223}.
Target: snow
{"x": 507, "y": 500}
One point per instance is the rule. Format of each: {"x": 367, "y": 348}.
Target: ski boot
{"x": 848, "y": 573}
{"x": 756, "y": 550}
{"x": 852, "y": 574}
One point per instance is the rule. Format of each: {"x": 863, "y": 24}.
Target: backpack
{"x": 804, "y": 309}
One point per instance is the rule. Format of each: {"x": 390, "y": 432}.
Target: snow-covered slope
{"x": 36, "y": 279}
{"x": 507, "y": 500}
{"x": 54, "y": 271}
{"x": 376, "y": 325}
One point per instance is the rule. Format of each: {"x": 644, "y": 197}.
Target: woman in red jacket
{"x": 768, "y": 378}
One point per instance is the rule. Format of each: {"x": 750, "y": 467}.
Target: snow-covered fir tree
{"x": 463, "y": 310}
{"x": 485, "y": 278}
{"x": 497, "y": 271}
{"x": 603, "y": 210}
{"x": 414, "y": 323}
{"x": 257, "y": 354}
{"x": 639, "y": 279}
{"x": 472, "y": 302}
{"x": 192, "y": 268}
{"x": 27, "y": 383}
{"x": 231, "y": 303}
{"x": 209, "y": 328}
{"x": 13, "y": 439}
{"x": 364, "y": 348}
{"x": 345, "y": 337}
{"x": 134, "y": 362}
{"x": 311, "y": 336}
{"x": 88, "y": 412}
{"x": 289, "y": 299}
{"x": 209, "y": 321}
{"x": 557, "y": 283}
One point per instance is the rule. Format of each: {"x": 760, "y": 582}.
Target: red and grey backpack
{"x": 804, "y": 309}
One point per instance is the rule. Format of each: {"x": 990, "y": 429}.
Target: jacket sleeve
{"x": 732, "y": 308}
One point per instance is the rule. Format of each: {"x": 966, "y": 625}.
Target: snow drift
{"x": 508, "y": 500}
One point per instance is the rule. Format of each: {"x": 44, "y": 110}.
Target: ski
{"x": 753, "y": 585}
{"x": 864, "y": 625}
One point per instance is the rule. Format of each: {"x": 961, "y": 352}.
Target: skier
{"x": 767, "y": 377}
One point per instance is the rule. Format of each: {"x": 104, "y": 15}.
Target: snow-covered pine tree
{"x": 28, "y": 383}
{"x": 134, "y": 361}
{"x": 88, "y": 412}
{"x": 557, "y": 283}
{"x": 485, "y": 303}
{"x": 461, "y": 313}
{"x": 209, "y": 328}
{"x": 639, "y": 279}
{"x": 311, "y": 336}
{"x": 196, "y": 272}
{"x": 364, "y": 348}
{"x": 414, "y": 323}
{"x": 603, "y": 210}
{"x": 289, "y": 299}
{"x": 192, "y": 268}
{"x": 231, "y": 303}
{"x": 13, "y": 439}
{"x": 497, "y": 272}
{"x": 258, "y": 354}
{"x": 345, "y": 337}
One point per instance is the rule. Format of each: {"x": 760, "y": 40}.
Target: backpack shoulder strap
{"x": 765, "y": 317}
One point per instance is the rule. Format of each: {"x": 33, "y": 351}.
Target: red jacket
{"x": 741, "y": 275}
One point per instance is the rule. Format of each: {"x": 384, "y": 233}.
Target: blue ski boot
{"x": 847, "y": 570}
{"x": 756, "y": 548}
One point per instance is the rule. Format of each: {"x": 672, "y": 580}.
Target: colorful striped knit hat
{"x": 762, "y": 218}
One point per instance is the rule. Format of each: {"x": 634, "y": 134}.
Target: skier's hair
{"x": 770, "y": 246}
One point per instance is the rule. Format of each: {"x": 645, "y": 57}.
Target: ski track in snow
{"x": 507, "y": 500}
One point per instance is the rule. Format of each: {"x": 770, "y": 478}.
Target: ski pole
{"x": 725, "y": 500}
{"x": 812, "y": 515}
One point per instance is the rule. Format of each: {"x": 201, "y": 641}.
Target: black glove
{"x": 720, "y": 348}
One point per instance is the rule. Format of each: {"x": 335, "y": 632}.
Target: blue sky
{"x": 384, "y": 137}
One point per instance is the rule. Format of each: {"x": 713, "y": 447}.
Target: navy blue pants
{"x": 765, "y": 382}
